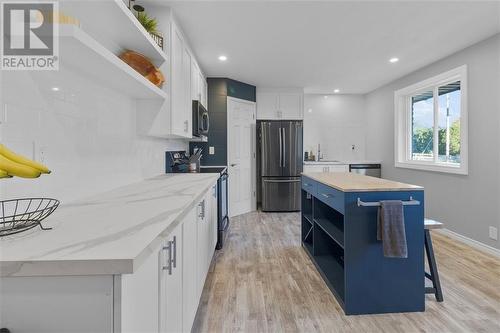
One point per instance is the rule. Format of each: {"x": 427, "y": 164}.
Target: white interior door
{"x": 241, "y": 155}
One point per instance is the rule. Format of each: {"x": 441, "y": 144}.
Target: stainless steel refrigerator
{"x": 280, "y": 146}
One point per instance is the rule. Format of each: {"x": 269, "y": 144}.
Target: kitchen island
{"x": 131, "y": 259}
{"x": 339, "y": 233}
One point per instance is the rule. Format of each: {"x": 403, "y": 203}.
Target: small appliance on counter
{"x": 201, "y": 120}
{"x": 178, "y": 161}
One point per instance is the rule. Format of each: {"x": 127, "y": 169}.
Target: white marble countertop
{"x": 109, "y": 233}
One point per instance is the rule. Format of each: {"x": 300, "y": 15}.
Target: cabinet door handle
{"x": 202, "y": 206}
{"x": 307, "y": 184}
{"x": 168, "y": 266}
{"x": 174, "y": 243}
{"x": 327, "y": 195}
{"x": 186, "y": 123}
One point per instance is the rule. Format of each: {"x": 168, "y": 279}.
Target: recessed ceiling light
{"x": 325, "y": 97}
{"x": 310, "y": 110}
{"x": 222, "y": 58}
{"x": 55, "y": 89}
{"x": 336, "y": 91}
{"x": 393, "y": 60}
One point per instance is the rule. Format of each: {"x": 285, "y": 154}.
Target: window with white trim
{"x": 431, "y": 124}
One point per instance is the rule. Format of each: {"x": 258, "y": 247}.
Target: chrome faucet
{"x": 319, "y": 153}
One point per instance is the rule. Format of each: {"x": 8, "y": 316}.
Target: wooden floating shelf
{"x": 113, "y": 25}
{"x": 80, "y": 51}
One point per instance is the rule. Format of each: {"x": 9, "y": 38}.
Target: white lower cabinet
{"x": 173, "y": 277}
{"x": 199, "y": 247}
{"x": 151, "y": 298}
{"x": 189, "y": 270}
{"x": 162, "y": 295}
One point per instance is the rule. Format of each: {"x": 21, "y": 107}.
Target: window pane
{"x": 449, "y": 123}
{"x": 422, "y": 127}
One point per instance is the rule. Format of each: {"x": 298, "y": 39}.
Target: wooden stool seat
{"x": 429, "y": 251}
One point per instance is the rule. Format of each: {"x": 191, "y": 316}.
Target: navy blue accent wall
{"x": 218, "y": 91}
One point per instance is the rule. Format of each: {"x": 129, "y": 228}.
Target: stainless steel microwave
{"x": 201, "y": 120}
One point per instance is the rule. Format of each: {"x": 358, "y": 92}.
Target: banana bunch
{"x": 12, "y": 164}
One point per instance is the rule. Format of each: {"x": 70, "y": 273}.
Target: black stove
{"x": 207, "y": 169}
{"x": 222, "y": 202}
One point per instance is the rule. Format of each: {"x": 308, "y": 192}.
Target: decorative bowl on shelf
{"x": 18, "y": 215}
{"x": 142, "y": 65}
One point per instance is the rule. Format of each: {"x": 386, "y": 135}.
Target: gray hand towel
{"x": 391, "y": 229}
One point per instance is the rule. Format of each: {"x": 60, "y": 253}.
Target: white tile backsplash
{"x": 85, "y": 133}
{"x": 337, "y": 123}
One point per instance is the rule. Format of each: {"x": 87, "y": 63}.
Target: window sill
{"x": 462, "y": 170}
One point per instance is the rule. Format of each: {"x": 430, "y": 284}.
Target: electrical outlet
{"x": 211, "y": 150}
{"x": 494, "y": 233}
{"x": 3, "y": 114}
{"x": 42, "y": 154}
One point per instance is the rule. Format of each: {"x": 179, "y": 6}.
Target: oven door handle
{"x": 225, "y": 225}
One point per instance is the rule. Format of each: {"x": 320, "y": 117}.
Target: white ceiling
{"x": 322, "y": 45}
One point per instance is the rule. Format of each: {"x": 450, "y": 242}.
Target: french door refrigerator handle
{"x": 284, "y": 146}
{"x": 281, "y": 146}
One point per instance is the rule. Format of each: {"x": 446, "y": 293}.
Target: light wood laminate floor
{"x": 263, "y": 281}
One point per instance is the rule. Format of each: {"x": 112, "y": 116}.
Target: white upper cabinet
{"x": 186, "y": 112}
{"x": 267, "y": 106}
{"x": 279, "y": 105}
{"x": 198, "y": 84}
{"x": 179, "y": 117}
{"x": 203, "y": 87}
{"x": 195, "y": 81}
{"x": 290, "y": 106}
{"x": 184, "y": 82}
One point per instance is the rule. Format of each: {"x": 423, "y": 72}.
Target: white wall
{"x": 85, "y": 133}
{"x": 337, "y": 123}
{"x": 469, "y": 204}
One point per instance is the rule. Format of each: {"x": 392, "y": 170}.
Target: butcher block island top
{"x": 352, "y": 182}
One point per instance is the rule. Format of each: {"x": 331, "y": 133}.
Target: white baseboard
{"x": 471, "y": 242}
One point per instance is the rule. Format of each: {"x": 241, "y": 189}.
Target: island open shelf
{"x": 339, "y": 235}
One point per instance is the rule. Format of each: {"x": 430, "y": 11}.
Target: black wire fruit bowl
{"x": 18, "y": 215}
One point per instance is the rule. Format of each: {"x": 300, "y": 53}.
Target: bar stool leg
{"x": 434, "y": 275}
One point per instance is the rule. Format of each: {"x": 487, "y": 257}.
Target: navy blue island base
{"x": 339, "y": 234}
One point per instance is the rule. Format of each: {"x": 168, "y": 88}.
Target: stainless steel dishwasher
{"x": 367, "y": 169}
